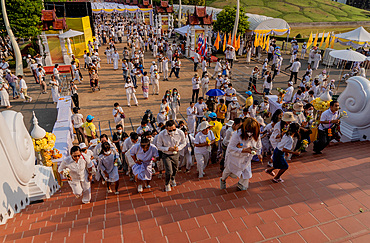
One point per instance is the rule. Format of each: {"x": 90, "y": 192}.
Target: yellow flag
{"x": 238, "y": 43}
{"x": 224, "y": 45}
{"x": 264, "y": 42}
{"x": 229, "y": 40}
{"x": 316, "y": 38}
{"x": 260, "y": 41}
{"x": 327, "y": 41}
{"x": 267, "y": 43}
{"x": 217, "y": 42}
{"x": 310, "y": 40}
{"x": 322, "y": 39}
{"x": 256, "y": 40}
{"x": 332, "y": 42}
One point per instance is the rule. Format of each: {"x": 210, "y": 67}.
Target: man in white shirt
{"x": 23, "y": 88}
{"x": 230, "y": 92}
{"x": 294, "y": 69}
{"x": 204, "y": 67}
{"x": 196, "y": 61}
{"x": 289, "y": 92}
{"x": 218, "y": 67}
{"x": 195, "y": 82}
{"x": 201, "y": 108}
{"x": 191, "y": 113}
{"x": 170, "y": 141}
{"x": 151, "y": 71}
{"x": 204, "y": 84}
{"x": 328, "y": 120}
{"x": 77, "y": 121}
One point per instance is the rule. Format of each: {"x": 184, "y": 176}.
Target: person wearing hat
{"x": 151, "y": 70}
{"x": 289, "y": 92}
{"x": 216, "y": 127}
{"x": 323, "y": 77}
{"x": 218, "y": 68}
{"x": 80, "y": 173}
{"x": 304, "y": 50}
{"x": 202, "y": 146}
{"x": 205, "y": 84}
{"x": 283, "y": 147}
{"x": 233, "y": 108}
{"x": 243, "y": 144}
{"x": 161, "y": 117}
{"x": 90, "y": 129}
{"x": 195, "y": 82}
{"x": 231, "y": 127}
{"x": 249, "y": 100}
{"x": 219, "y": 81}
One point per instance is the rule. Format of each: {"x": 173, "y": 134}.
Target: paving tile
{"x": 215, "y": 230}
{"x": 188, "y": 224}
{"x": 222, "y": 216}
{"x": 181, "y": 237}
{"x": 232, "y": 237}
{"x": 269, "y": 216}
{"x": 235, "y": 224}
{"x": 169, "y": 229}
{"x": 323, "y": 215}
{"x": 270, "y": 230}
{"x": 205, "y": 220}
{"x": 250, "y": 235}
{"x": 285, "y": 212}
{"x": 333, "y": 230}
{"x": 300, "y": 208}
{"x": 152, "y": 233}
{"x": 289, "y": 225}
{"x": 364, "y": 218}
{"x": 361, "y": 239}
{"x": 197, "y": 234}
{"x": 306, "y": 220}
{"x": 339, "y": 210}
{"x": 252, "y": 220}
{"x": 295, "y": 237}
{"x": 313, "y": 235}
{"x": 351, "y": 225}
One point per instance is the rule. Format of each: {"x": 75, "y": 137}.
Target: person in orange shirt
{"x": 221, "y": 110}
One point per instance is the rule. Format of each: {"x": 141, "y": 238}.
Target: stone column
{"x": 192, "y": 38}
{"x": 187, "y": 47}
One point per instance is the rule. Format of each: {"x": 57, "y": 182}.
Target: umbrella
{"x": 71, "y": 33}
{"x": 348, "y": 55}
{"x": 215, "y": 92}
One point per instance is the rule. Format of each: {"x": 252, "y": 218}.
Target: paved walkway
{"x": 324, "y": 198}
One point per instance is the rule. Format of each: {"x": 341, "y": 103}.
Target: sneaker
{"x": 240, "y": 187}
{"x": 109, "y": 190}
{"x": 173, "y": 183}
{"x": 200, "y": 176}
{"x": 116, "y": 193}
{"x": 269, "y": 164}
{"x": 167, "y": 188}
{"x": 140, "y": 188}
{"x": 148, "y": 186}
{"x": 222, "y": 184}
{"x": 30, "y": 99}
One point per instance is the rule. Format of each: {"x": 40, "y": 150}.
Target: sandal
{"x": 277, "y": 180}
{"x": 270, "y": 172}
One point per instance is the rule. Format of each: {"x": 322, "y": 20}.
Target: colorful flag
{"x": 267, "y": 43}
{"x": 256, "y": 40}
{"x": 229, "y": 40}
{"x": 322, "y": 39}
{"x": 310, "y": 40}
{"x": 327, "y": 41}
{"x": 316, "y": 38}
{"x": 234, "y": 42}
{"x": 217, "y": 42}
{"x": 238, "y": 43}
{"x": 224, "y": 45}
{"x": 332, "y": 42}
{"x": 264, "y": 41}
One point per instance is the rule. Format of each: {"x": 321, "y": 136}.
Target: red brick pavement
{"x": 321, "y": 200}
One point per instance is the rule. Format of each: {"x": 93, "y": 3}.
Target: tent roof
{"x": 359, "y": 35}
{"x": 183, "y": 30}
{"x": 70, "y": 33}
{"x": 255, "y": 20}
{"x": 348, "y": 55}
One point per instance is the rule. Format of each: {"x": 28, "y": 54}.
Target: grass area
{"x": 299, "y": 10}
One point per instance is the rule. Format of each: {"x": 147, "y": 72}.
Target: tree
{"x": 24, "y": 18}
{"x": 226, "y": 19}
{"x": 192, "y": 2}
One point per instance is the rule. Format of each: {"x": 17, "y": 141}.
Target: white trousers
{"x": 204, "y": 91}
{"x": 226, "y": 173}
{"x": 174, "y": 111}
{"x": 303, "y": 53}
{"x": 131, "y": 96}
{"x": 109, "y": 60}
{"x": 186, "y": 160}
{"x": 81, "y": 188}
{"x": 202, "y": 162}
{"x": 191, "y": 125}
{"x": 160, "y": 66}
{"x": 77, "y": 76}
{"x": 165, "y": 73}
{"x": 155, "y": 86}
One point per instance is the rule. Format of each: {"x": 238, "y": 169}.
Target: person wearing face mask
{"x": 283, "y": 147}
{"x": 243, "y": 145}
{"x": 118, "y": 115}
{"x": 143, "y": 154}
{"x": 108, "y": 162}
{"x": 104, "y": 138}
{"x": 117, "y": 136}
{"x": 130, "y": 92}
{"x": 80, "y": 174}
{"x": 170, "y": 141}
{"x": 202, "y": 146}
{"x": 175, "y": 104}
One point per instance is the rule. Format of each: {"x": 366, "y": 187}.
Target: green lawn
{"x": 299, "y": 10}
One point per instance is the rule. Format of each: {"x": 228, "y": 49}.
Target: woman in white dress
{"x": 54, "y": 89}
{"x": 249, "y": 54}
{"x": 108, "y": 166}
{"x": 4, "y": 94}
{"x": 175, "y": 103}
{"x": 243, "y": 145}
{"x": 143, "y": 154}
{"x": 130, "y": 92}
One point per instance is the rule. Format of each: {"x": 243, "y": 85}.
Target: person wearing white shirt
{"x": 115, "y": 58}
{"x": 204, "y": 67}
{"x": 316, "y": 60}
{"x": 118, "y": 115}
{"x": 294, "y": 69}
{"x": 252, "y": 110}
{"x": 56, "y": 73}
{"x": 230, "y": 93}
{"x": 205, "y": 84}
{"x": 289, "y": 92}
{"x": 195, "y": 82}
{"x": 170, "y": 141}
{"x": 196, "y": 61}
{"x": 219, "y": 81}
{"x": 75, "y": 72}
{"x": 201, "y": 108}
{"x": 304, "y": 50}
{"x": 79, "y": 174}
{"x": 151, "y": 70}
{"x": 155, "y": 77}
{"x": 202, "y": 146}
{"x": 23, "y": 88}
{"x": 161, "y": 117}
{"x": 218, "y": 67}
{"x": 96, "y": 45}
{"x": 362, "y": 71}
{"x": 77, "y": 122}
{"x": 165, "y": 68}
{"x": 191, "y": 112}
{"x": 130, "y": 92}
{"x": 328, "y": 119}
{"x": 54, "y": 87}
{"x": 233, "y": 108}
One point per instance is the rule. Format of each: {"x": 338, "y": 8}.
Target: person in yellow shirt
{"x": 249, "y": 100}
{"x": 216, "y": 127}
{"x": 221, "y": 110}
{"x": 90, "y": 129}
{"x": 77, "y": 62}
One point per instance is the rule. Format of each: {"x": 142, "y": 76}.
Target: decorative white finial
{"x": 325, "y": 96}
{"x": 37, "y": 131}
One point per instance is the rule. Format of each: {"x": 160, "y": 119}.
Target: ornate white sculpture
{"x": 355, "y": 100}
{"x": 17, "y": 161}
{"x": 37, "y": 132}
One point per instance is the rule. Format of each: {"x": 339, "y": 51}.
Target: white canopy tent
{"x": 184, "y": 30}
{"x": 267, "y": 25}
{"x": 70, "y": 33}
{"x": 348, "y": 55}
{"x": 356, "y": 38}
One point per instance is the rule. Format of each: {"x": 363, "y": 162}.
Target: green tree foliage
{"x": 192, "y": 2}
{"x": 24, "y": 17}
{"x": 226, "y": 19}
